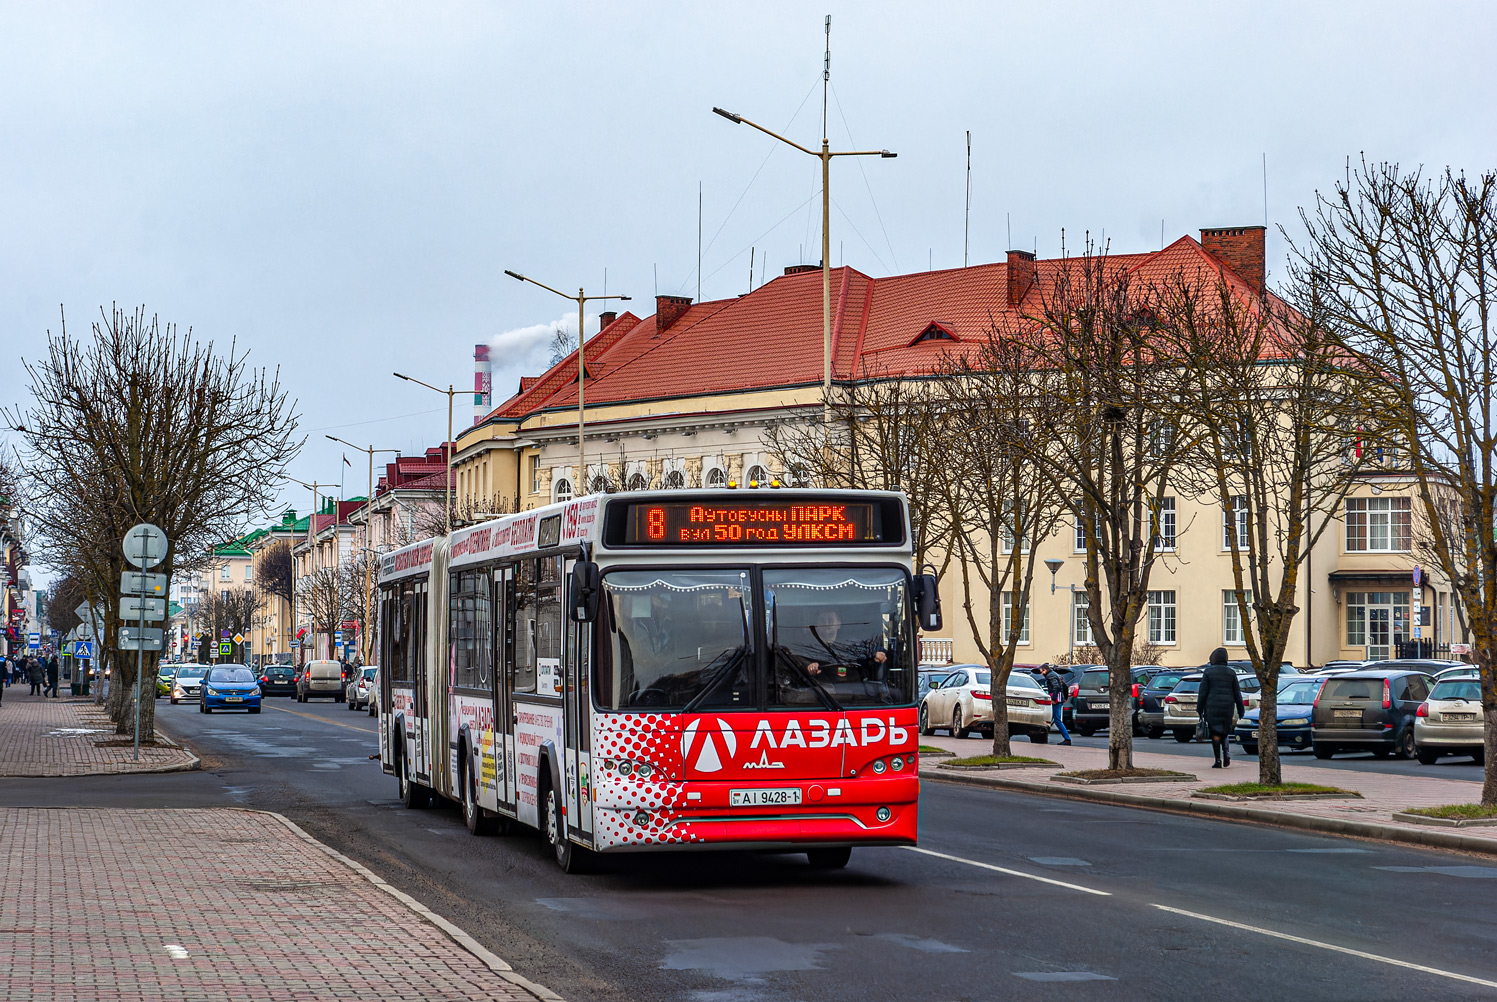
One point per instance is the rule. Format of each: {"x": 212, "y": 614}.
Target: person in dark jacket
{"x": 35, "y": 674}
{"x": 1219, "y": 702}
{"x": 52, "y": 674}
{"x": 1056, "y": 687}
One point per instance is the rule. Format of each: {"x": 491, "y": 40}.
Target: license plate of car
{"x": 1458, "y": 716}
{"x": 1101, "y": 706}
{"x": 1349, "y": 714}
{"x": 1018, "y": 702}
{"x": 763, "y": 798}
{"x": 233, "y": 699}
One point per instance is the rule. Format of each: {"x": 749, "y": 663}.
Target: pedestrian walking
{"x": 35, "y": 674}
{"x": 1219, "y": 702}
{"x": 1056, "y": 686}
{"x": 52, "y": 672}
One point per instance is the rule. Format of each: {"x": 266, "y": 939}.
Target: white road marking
{"x": 1011, "y": 873}
{"x": 1468, "y": 979}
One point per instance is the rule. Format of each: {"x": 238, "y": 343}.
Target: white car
{"x": 188, "y": 682}
{"x": 357, "y": 694}
{"x": 962, "y": 703}
{"x": 1451, "y": 722}
{"x": 1180, "y": 705}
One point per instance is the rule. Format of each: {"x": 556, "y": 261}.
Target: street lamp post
{"x": 582, "y": 299}
{"x": 825, "y": 156}
{"x": 368, "y": 538}
{"x": 1055, "y": 564}
{"x": 311, "y": 559}
{"x": 450, "y": 443}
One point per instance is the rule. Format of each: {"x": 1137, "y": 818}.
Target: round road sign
{"x": 145, "y": 545}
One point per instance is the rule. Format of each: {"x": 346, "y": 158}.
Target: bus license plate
{"x": 763, "y": 798}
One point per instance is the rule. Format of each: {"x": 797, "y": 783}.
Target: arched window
{"x": 637, "y": 482}
{"x": 675, "y": 480}
{"x": 716, "y": 477}
{"x": 600, "y": 485}
{"x": 800, "y": 475}
{"x": 757, "y": 475}
{"x": 563, "y": 490}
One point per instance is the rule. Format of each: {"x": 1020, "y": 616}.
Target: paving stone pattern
{"x": 1383, "y": 794}
{"x": 130, "y": 906}
{"x": 60, "y": 737}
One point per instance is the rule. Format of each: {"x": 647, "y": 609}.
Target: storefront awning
{"x": 1403, "y": 577}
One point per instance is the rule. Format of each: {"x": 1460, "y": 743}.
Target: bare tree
{"x": 142, "y": 423}
{"x": 275, "y": 573}
{"x": 1406, "y": 264}
{"x": 65, "y": 595}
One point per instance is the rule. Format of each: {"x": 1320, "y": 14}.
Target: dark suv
{"x": 1151, "y": 693}
{"x": 1092, "y": 704}
{"x": 1369, "y": 710}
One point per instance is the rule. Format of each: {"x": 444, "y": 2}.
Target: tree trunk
{"x": 1120, "y": 701}
{"x": 1270, "y": 768}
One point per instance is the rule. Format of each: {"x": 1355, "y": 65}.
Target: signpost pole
{"x": 140, "y": 655}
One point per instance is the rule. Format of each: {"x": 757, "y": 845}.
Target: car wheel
{"x": 174, "y": 700}
{"x": 1427, "y": 756}
{"x": 1184, "y": 736}
{"x": 254, "y": 709}
{"x": 1039, "y": 737}
{"x": 1479, "y": 756}
{"x": 412, "y": 794}
{"x": 1324, "y": 751}
{"x": 372, "y": 711}
{"x": 1156, "y": 733}
{"x": 829, "y": 859}
{"x": 1406, "y": 748}
{"x": 1250, "y": 748}
{"x": 957, "y": 730}
{"x": 352, "y": 705}
{"x": 571, "y": 858}
{"x": 925, "y": 727}
{"x": 479, "y": 821}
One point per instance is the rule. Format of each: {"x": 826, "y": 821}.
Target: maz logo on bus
{"x": 817, "y": 733}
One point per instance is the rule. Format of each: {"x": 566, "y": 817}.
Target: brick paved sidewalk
{"x": 116, "y": 905}
{"x": 1383, "y": 794}
{"x": 61, "y": 737}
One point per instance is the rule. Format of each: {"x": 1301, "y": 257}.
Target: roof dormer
{"x": 935, "y": 331}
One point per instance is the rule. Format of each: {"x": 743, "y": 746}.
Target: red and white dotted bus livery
{"x": 717, "y": 668}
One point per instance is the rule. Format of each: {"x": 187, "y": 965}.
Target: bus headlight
{"x": 642, "y": 818}
{"x": 643, "y": 770}
{"x": 626, "y": 767}
{"x": 883, "y": 814}
{"x": 879, "y": 768}
{"x": 898, "y": 762}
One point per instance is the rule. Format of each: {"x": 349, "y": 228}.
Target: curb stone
{"x": 999, "y": 765}
{"x": 1425, "y": 819}
{"x": 1235, "y": 799}
{"x": 455, "y": 933}
{"x": 1083, "y": 781}
{"x": 1427, "y": 838}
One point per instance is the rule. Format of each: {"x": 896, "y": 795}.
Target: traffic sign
{"x": 83, "y": 649}
{"x": 223, "y": 634}
{"x": 145, "y": 545}
{"x": 33, "y": 640}
{"x": 138, "y": 583}
{"x": 225, "y": 648}
{"x": 135, "y": 608}
{"x": 140, "y": 638}
{"x": 238, "y": 638}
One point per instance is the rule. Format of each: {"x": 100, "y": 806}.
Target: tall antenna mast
{"x": 751, "y": 269}
{"x": 1265, "y": 189}
{"x": 967, "y": 218}
{"x": 826, "y": 75}
{"x": 699, "y": 241}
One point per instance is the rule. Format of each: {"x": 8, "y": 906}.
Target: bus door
{"x": 499, "y": 771}
{"x": 577, "y": 730}
{"x": 421, "y": 761}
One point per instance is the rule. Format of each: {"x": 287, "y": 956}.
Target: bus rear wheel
{"x": 570, "y": 857}
{"x": 412, "y": 794}
{"x": 829, "y": 859}
{"x": 479, "y": 821}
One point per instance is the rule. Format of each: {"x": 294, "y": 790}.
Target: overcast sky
{"x": 341, "y": 185}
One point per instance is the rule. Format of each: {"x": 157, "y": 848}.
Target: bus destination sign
{"x": 753, "y": 523}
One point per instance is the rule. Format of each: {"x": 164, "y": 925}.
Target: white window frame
{"x": 714, "y": 473}
{"x": 535, "y": 473}
{"x": 561, "y": 489}
{"x": 1234, "y": 633}
{"x": 1081, "y": 623}
{"x": 1377, "y": 515}
{"x": 1162, "y": 525}
{"x": 1239, "y": 512}
{"x": 757, "y": 472}
{"x": 1008, "y": 619}
{"x": 1163, "y": 617}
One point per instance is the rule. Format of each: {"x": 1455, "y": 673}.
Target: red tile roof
{"x": 772, "y": 337}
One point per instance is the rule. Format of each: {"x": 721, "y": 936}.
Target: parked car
{"x": 374, "y": 695}
{"x": 278, "y": 680}
{"x": 964, "y": 699}
{"x": 1369, "y": 710}
{"x": 356, "y": 695}
{"x": 320, "y": 678}
{"x": 1451, "y": 722}
{"x": 925, "y": 674}
{"x": 1296, "y": 700}
{"x": 1180, "y": 705}
{"x": 187, "y": 682}
{"x": 230, "y": 687}
{"x": 1430, "y": 666}
{"x": 1151, "y": 693}
{"x": 1092, "y": 703}
{"x": 1457, "y": 671}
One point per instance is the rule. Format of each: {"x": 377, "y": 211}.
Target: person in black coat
{"x": 52, "y": 674}
{"x": 35, "y": 674}
{"x": 1219, "y": 702}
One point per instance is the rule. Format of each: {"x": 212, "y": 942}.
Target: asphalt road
{"x": 1009, "y": 897}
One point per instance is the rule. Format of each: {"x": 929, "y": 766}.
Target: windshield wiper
{"x": 828, "y": 701}
{"x": 735, "y": 657}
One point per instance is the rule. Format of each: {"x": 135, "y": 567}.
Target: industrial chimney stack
{"x": 483, "y": 382}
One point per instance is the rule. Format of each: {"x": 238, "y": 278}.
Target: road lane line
{"x": 1329, "y": 946}
{"x": 1011, "y": 873}
{"x": 324, "y": 720}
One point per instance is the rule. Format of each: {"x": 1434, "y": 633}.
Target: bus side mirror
{"x": 928, "y": 602}
{"x": 587, "y": 583}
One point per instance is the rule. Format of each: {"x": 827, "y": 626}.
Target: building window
{"x": 600, "y": 485}
{"x": 716, "y": 477}
{"x": 1008, "y": 535}
{"x": 1080, "y": 606}
{"x": 563, "y": 490}
{"x": 1079, "y": 545}
{"x": 1232, "y": 632}
{"x": 675, "y": 480}
{"x": 1235, "y": 511}
{"x": 1163, "y": 526}
{"x": 1161, "y": 617}
{"x": 1161, "y": 438}
{"x": 757, "y": 475}
{"x": 249, "y": 573}
{"x": 1378, "y": 525}
{"x": 1376, "y": 618}
{"x": 225, "y": 573}
{"x": 637, "y": 482}
{"x": 1008, "y": 619}
{"x": 535, "y": 474}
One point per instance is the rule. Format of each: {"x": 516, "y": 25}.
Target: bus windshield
{"x": 679, "y": 639}
{"x": 836, "y": 634}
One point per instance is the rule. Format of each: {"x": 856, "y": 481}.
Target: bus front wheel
{"x": 830, "y": 858}
{"x": 570, "y": 857}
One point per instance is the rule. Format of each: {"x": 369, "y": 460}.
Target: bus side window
{"x": 549, "y": 622}
{"x": 524, "y": 611}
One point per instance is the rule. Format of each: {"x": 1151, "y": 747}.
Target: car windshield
{"x": 1186, "y": 686}
{"x": 1165, "y": 680}
{"x": 1018, "y": 681}
{"x": 1460, "y": 689}
{"x": 191, "y": 672}
{"x": 1353, "y": 688}
{"x": 231, "y": 675}
{"x": 1299, "y": 692}
{"x": 1094, "y": 679}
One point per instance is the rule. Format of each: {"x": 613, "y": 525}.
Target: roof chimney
{"x": 668, "y": 309}
{"x": 1020, "y": 276}
{"x": 483, "y": 382}
{"x": 1240, "y": 248}
{"x": 800, "y": 269}
{"x": 607, "y": 317}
